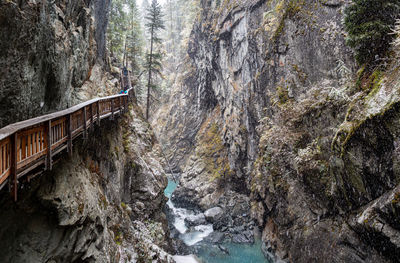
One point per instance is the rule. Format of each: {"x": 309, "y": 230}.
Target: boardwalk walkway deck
{"x": 28, "y": 145}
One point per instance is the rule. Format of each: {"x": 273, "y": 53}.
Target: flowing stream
{"x": 207, "y": 252}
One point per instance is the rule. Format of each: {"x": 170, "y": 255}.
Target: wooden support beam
{"x": 69, "y": 134}
{"x": 91, "y": 117}
{"x": 13, "y": 179}
{"x": 49, "y": 156}
{"x": 112, "y": 109}
{"x": 84, "y": 124}
{"x": 98, "y": 113}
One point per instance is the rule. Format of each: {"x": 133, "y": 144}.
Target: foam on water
{"x": 193, "y": 236}
{"x": 186, "y": 259}
{"x": 200, "y": 232}
{"x": 238, "y": 253}
{"x": 189, "y": 236}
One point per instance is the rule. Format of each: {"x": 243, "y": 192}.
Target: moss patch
{"x": 213, "y": 152}
{"x": 283, "y": 95}
{"x": 396, "y": 198}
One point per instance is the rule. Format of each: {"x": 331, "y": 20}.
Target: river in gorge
{"x": 195, "y": 238}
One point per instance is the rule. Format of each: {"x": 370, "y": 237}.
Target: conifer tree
{"x": 154, "y": 23}
{"x": 117, "y": 28}
{"x": 369, "y": 23}
{"x": 133, "y": 38}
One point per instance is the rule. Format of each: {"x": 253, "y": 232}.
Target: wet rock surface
{"x": 104, "y": 204}
{"x": 213, "y": 214}
{"x": 268, "y": 108}
{"x": 47, "y": 52}
{"x": 196, "y": 220}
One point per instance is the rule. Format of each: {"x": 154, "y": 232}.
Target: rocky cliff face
{"x": 104, "y": 204}
{"x": 269, "y": 106}
{"x": 47, "y": 52}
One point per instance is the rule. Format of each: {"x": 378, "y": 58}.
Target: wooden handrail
{"x": 29, "y": 144}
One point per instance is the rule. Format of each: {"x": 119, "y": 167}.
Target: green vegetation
{"x": 369, "y": 24}
{"x": 124, "y": 33}
{"x": 126, "y": 141}
{"x": 396, "y": 198}
{"x": 283, "y": 95}
{"x": 275, "y": 19}
{"x": 374, "y": 83}
{"x": 103, "y": 203}
{"x": 125, "y": 40}
{"x": 118, "y": 236}
{"x": 154, "y": 23}
{"x": 213, "y": 152}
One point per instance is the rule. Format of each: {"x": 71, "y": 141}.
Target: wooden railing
{"x": 31, "y": 144}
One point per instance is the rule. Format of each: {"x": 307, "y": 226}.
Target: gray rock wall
{"x": 47, "y": 52}
{"x": 104, "y": 204}
{"x": 270, "y": 90}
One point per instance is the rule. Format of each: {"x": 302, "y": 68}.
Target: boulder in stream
{"x": 213, "y": 214}
{"x": 195, "y": 220}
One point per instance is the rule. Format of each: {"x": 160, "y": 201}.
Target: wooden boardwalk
{"x": 29, "y": 145}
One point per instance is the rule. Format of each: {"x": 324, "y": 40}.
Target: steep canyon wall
{"x": 104, "y": 203}
{"x": 48, "y": 50}
{"x": 268, "y": 107}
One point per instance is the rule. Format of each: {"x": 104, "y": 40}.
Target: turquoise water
{"x": 238, "y": 253}
{"x": 170, "y": 188}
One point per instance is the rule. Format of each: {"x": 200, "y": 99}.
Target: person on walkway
{"x": 124, "y": 80}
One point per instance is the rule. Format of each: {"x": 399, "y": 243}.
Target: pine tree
{"x": 116, "y": 28}
{"x": 369, "y": 23}
{"x": 124, "y": 36}
{"x": 133, "y": 38}
{"x": 154, "y": 23}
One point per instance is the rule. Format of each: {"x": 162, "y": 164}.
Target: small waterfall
{"x": 190, "y": 236}
{"x": 194, "y": 237}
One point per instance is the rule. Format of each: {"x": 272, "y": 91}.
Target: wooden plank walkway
{"x": 27, "y": 145}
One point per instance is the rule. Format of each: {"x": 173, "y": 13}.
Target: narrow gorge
{"x": 255, "y": 131}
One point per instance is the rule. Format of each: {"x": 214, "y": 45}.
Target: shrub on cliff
{"x": 369, "y": 24}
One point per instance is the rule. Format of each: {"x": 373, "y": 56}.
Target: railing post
{"x": 112, "y": 109}
{"x": 13, "y": 178}
{"x": 91, "y": 117}
{"x": 49, "y": 161}
{"x": 120, "y": 106}
{"x": 84, "y": 123}
{"x": 98, "y": 113}
{"x": 69, "y": 134}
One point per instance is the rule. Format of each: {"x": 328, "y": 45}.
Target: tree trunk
{"x": 124, "y": 60}
{"x": 150, "y": 68}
